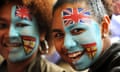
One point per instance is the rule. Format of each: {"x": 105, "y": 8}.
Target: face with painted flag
{"x": 76, "y": 35}
{"x": 19, "y": 36}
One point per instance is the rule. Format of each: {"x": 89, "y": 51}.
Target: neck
{"x": 19, "y": 66}
{"x": 106, "y": 44}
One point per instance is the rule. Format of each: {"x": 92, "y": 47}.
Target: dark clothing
{"x": 109, "y": 61}
{"x": 38, "y": 65}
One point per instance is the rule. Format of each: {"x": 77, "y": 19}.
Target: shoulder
{"x": 41, "y": 65}
{"x": 109, "y": 61}
{"x": 114, "y": 65}
{"x": 50, "y": 67}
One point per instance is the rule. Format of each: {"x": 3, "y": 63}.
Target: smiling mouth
{"x": 75, "y": 56}
{"x": 15, "y": 44}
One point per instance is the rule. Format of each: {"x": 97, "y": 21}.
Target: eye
{"x": 58, "y": 35}
{"x": 21, "y": 25}
{"x": 77, "y": 31}
{"x": 3, "y": 26}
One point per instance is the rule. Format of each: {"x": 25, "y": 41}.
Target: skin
{"x": 73, "y": 40}
{"x": 17, "y": 34}
{"x": 116, "y": 7}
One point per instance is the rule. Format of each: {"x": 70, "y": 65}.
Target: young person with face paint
{"x": 80, "y": 32}
{"x": 19, "y": 40}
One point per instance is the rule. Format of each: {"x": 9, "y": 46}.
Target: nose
{"x": 13, "y": 33}
{"x": 69, "y": 42}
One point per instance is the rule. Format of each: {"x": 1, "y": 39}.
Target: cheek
{"x": 4, "y": 52}
{"x": 58, "y": 45}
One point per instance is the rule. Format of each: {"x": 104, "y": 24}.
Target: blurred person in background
{"x": 115, "y": 22}
{"x": 113, "y": 10}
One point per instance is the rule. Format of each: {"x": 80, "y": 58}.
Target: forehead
{"x": 5, "y": 11}
{"x": 82, "y": 4}
{"x": 16, "y": 12}
{"x": 58, "y": 13}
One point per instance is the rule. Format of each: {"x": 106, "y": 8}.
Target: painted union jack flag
{"x": 74, "y": 15}
{"x": 23, "y": 12}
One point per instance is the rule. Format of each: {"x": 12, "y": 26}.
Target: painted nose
{"x": 13, "y": 34}
{"x": 69, "y": 43}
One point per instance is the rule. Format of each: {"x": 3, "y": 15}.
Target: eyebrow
{"x": 2, "y": 19}
{"x": 56, "y": 30}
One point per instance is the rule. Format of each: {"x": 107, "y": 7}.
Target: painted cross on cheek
{"x": 74, "y": 15}
{"x": 22, "y": 12}
{"x": 29, "y": 43}
{"x": 91, "y": 49}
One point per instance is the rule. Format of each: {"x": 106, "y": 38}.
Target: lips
{"x": 74, "y": 56}
{"x": 89, "y": 48}
{"x": 15, "y": 44}
{"x": 28, "y": 43}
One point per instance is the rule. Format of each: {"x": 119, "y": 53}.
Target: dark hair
{"x": 42, "y": 11}
{"x": 61, "y": 2}
{"x": 108, "y": 7}
{"x": 96, "y": 7}
{"x": 3, "y": 2}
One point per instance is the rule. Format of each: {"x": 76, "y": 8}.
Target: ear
{"x": 105, "y": 26}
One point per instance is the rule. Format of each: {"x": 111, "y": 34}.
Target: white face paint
{"x": 23, "y": 36}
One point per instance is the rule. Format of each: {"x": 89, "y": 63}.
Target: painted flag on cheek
{"x": 74, "y": 15}
{"x": 29, "y": 44}
{"x": 91, "y": 49}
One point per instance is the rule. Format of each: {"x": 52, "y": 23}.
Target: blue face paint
{"x": 83, "y": 42}
{"x": 24, "y": 32}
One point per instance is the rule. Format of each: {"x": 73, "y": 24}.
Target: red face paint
{"x": 91, "y": 49}
{"x": 74, "y": 15}
{"x": 29, "y": 43}
{"x": 23, "y": 12}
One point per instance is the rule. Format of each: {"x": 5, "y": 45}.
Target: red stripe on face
{"x": 29, "y": 43}
{"x": 28, "y": 38}
{"x": 28, "y": 46}
{"x": 91, "y": 49}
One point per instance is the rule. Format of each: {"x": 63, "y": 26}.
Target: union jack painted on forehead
{"x": 23, "y": 12}
{"x": 74, "y": 15}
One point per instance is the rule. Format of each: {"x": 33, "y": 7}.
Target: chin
{"x": 18, "y": 59}
{"x": 80, "y": 68}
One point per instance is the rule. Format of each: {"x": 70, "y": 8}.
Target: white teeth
{"x": 13, "y": 44}
{"x": 74, "y": 54}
